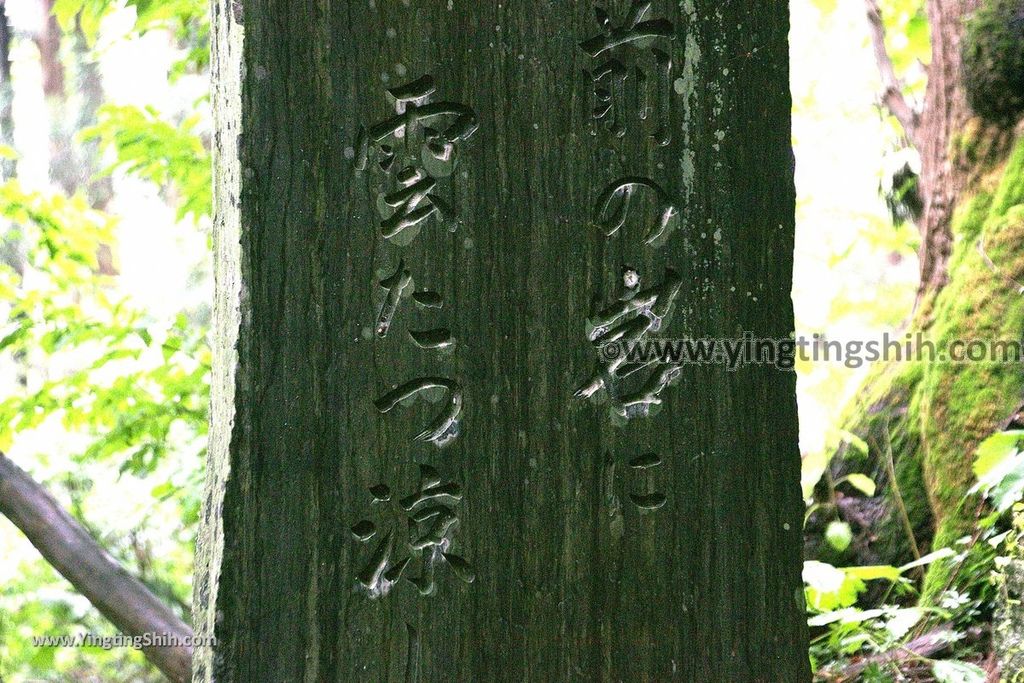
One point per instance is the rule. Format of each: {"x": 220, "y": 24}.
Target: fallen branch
{"x": 892, "y": 91}
{"x": 118, "y": 595}
{"x": 922, "y": 647}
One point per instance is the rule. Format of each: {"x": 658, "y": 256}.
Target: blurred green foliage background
{"x": 105, "y": 306}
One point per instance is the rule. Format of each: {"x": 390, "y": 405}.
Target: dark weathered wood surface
{"x": 572, "y": 580}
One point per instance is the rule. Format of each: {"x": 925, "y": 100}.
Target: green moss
{"x": 993, "y": 59}
{"x": 879, "y": 415}
{"x": 957, "y": 405}
{"x": 969, "y": 217}
{"x": 935, "y": 414}
{"x": 963, "y": 403}
{"x": 968, "y": 145}
{"x": 980, "y": 150}
{"x": 891, "y": 540}
{"x": 969, "y": 575}
{"x": 1011, "y": 188}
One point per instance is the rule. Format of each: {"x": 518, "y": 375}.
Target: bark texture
{"x": 945, "y": 113}
{"x": 591, "y": 562}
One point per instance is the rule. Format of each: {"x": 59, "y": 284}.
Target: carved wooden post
{"x": 427, "y": 461}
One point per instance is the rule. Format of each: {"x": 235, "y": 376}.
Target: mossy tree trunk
{"x": 502, "y": 529}
{"x": 930, "y": 417}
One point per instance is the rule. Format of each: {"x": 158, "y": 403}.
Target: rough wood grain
{"x": 572, "y": 580}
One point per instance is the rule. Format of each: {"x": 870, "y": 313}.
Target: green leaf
{"x": 875, "y": 674}
{"x": 826, "y": 7}
{"x": 164, "y": 152}
{"x": 847, "y": 615}
{"x": 839, "y": 535}
{"x": 902, "y": 620}
{"x": 862, "y": 483}
{"x": 874, "y": 571}
{"x": 918, "y": 37}
{"x": 65, "y": 11}
{"x": 999, "y": 467}
{"x": 161, "y": 491}
{"x": 993, "y": 453}
{"x": 1010, "y": 489}
{"x": 828, "y": 588}
{"x": 952, "y": 671}
{"x": 812, "y": 466}
{"x": 858, "y": 443}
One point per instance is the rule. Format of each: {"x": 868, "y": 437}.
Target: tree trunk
{"x": 945, "y": 113}
{"x": 932, "y": 416}
{"x": 64, "y": 58}
{"x": 7, "y": 165}
{"x": 501, "y": 528}
{"x": 48, "y": 42}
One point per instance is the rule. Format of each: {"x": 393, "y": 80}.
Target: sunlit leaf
{"x": 847, "y": 615}
{"x": 875, "y": 571}
{"x": 828, "y": 588}
{"x": 855, "y": 441}
{"x": 839, "y": 535}
{"x": 862, "y": 483}
{"x": 999, "y": 467}
{"x": 826, "y": 7}
{"x": 902, "y": 620}
{"x": 952, "y": 671}
{"x": 990, "y": 460}
{"x": 940, "y": 554}
{"x": 812, "y": 467}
